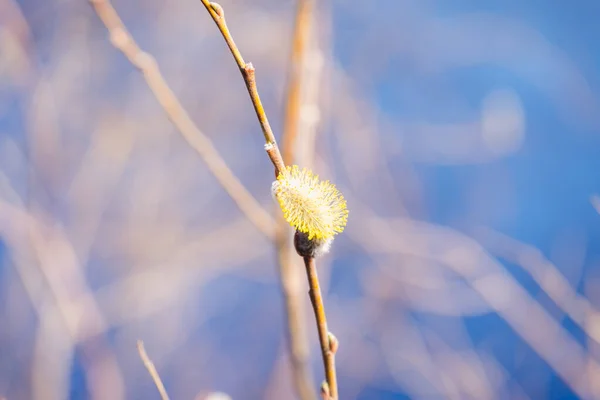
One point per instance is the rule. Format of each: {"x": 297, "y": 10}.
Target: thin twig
{"x": 326, "y": 339}
{"x": 247, "y": 70}
{"x": 295, "y": 313}
{"x": 124, "y": 42}
{"x": 152, "y": 370}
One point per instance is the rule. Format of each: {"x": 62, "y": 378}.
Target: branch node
{"x": 118, "y": 38}
{"x": 249, "y": 68}
{"x": 144, "y": 61}
{"x": 325, "y": 394}
{"x": 334, "y": 344}
{"x": 218, "y": 9}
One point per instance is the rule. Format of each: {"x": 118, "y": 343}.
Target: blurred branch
{"x": 70, "y": 303}
{"x": 296, "y": 79}
{"x": 123, "y": 41}
{"x": 497, "y": 288}
{"x": 152, "y": 370}
{"x": 329, "y": 343}
{"x": 288, "y": 266}
{"x": 108, "y": 142}
{"x": 547, "y": 276}
{"x": 13, "y": 21}
{"x": 595, "y": 200}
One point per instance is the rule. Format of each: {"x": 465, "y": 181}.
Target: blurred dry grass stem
{"x": 122, "y": 40}
{"x": 549, "y": 278}
{"x": 152, "y": 370}
{"x": 43, "y": 255}
{"x": 501, "y": 292}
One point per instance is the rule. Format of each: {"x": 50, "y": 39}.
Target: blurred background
{"x": 464, "y": 136}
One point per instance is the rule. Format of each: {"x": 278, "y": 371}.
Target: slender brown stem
{"x": 248, "y": 73}
{"x": 327, "y": 346}
{"x": 293, "y": 294}
{"x": 152, "y": 370}
{"x": 327, "y": 340}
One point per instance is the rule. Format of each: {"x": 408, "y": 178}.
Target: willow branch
{"x": 124, "y": 42}
{"x": 248, "y": 73}
{"x": 152, "y": 370}
{"x": 291, "y": 285}
{"x": 328, "y": 342}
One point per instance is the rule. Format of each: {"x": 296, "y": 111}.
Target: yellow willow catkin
{"x": 313, "y": 207}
